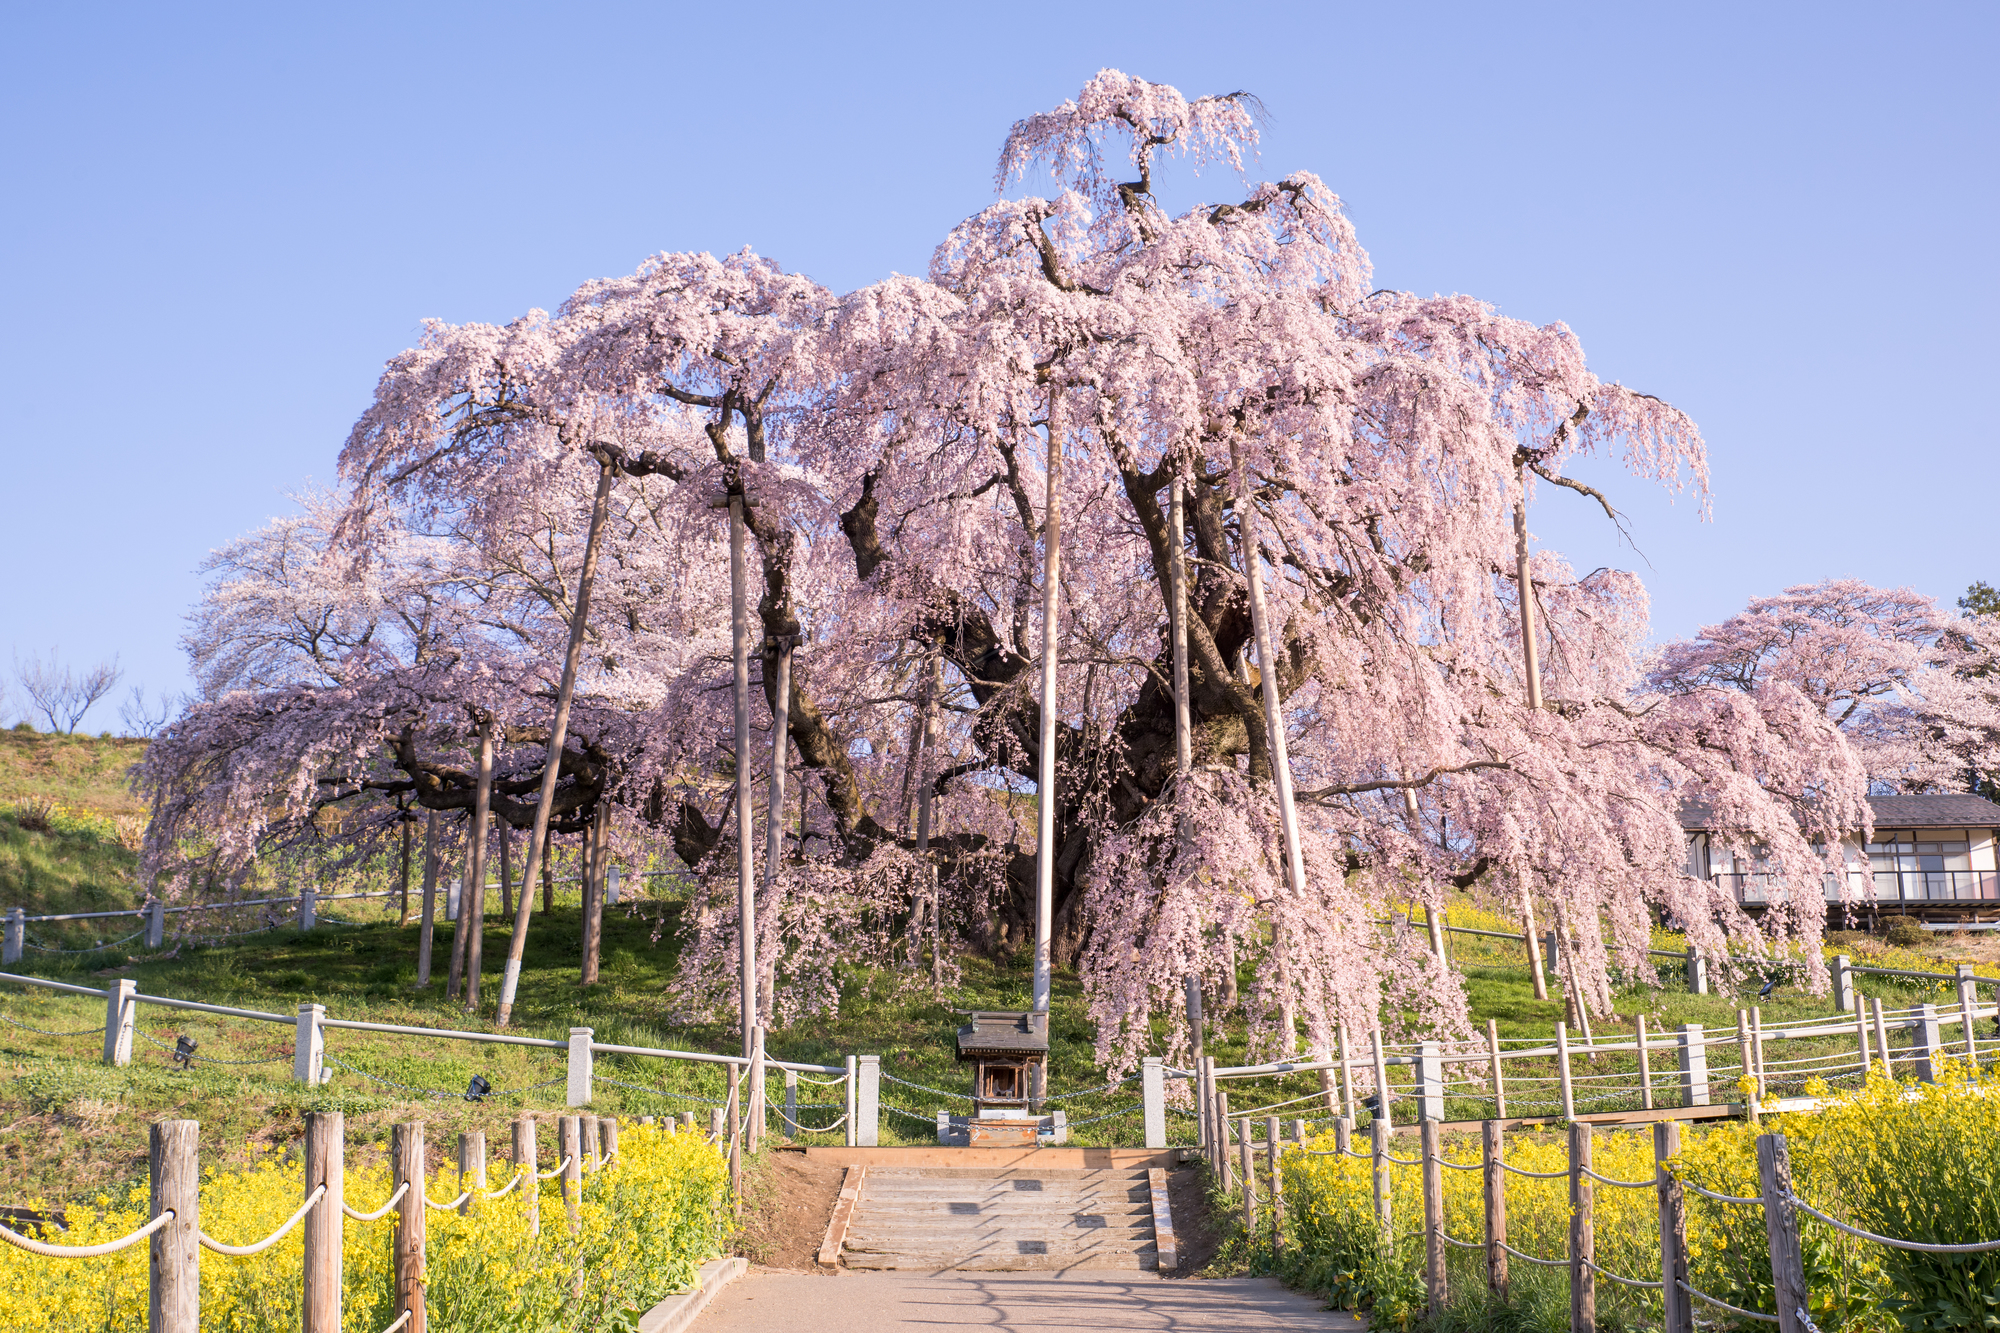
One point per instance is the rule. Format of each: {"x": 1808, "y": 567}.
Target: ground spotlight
{"x": 477, "y": 1089}
{"x": 184, "y": 1051}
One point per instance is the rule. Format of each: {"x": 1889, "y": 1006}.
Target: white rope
{"x": 1546, "y": 1263}
{"x": 1400, "y": 1161}
{"x": 1533, "y": 1175}
{"x": 519, "y": 1175}
{"x": 1627, "y": 1281}
{"x": 1725, "y": 1305}
{"x": 1621, "y": 1184}
{"x": 1450, "y": 1239}
{"x": 48, "y": 1251}
{"x": 448, "y": 1207}
{"x": 1721, "y": 1198}
{"x": 401, "y": 1320}
{"x": 209, "y": 1242}
{"x": 381, "y": 1212}
{"x": 1462, "y": 1166}
{"x": 1924, "y": 1246}
{"x": 560, "y": 1167}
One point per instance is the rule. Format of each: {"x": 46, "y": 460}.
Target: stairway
{"x": 932, "y": 1219}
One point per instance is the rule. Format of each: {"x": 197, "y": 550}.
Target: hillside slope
{"x": 69, "y": 822}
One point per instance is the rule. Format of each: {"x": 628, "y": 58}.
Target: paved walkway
{"x": 1011, "y": 1302}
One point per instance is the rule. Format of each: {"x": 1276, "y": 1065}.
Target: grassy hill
{"x": 69, "y": 823}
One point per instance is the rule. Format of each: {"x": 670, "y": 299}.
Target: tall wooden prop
{"x": 403, "y": 905}
{"x": 472, "y": 911}
{"x": 1045, "y": 774}
{"x": 746, "y": 865}
{"x": 1531, "y": 660}
{"x": 506, "y": 836}
{"x": 1274, "y": 725}
{"x": 926, "y": 794}
{"x": 594, "y": 860}
{"x": 325, "y": 1165}
{"x": 410, "y": 1173}
{"x": 429, "y": 927}
{"x": 774, "y": 845}
{"x": 174, "y": 1304}
{"x": 1178, "y": 610}
{"x": 558, "y": 730}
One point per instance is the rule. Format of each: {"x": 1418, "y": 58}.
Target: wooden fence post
{"x": 1694, "y": 1065}
{"x": 1434, "y": 1276}
{"x": 1271, "y": 1154}
{"x": 736, "y": 1137}
{"x": 1347, "y": 1097}
{"x": 1249, "y": 1172}
{"x": 607, "y": 1139}
{"x": 406, "y": 1157}
{"x": 1748, "y": 1062}
{"x": 1757, "y": 1049}
{"x": 1582, "y": 1234}
{"x": 524, "y": 1162}
{"x": 1677, "y": 1303}
{"x": 1499, "y": 1083}
{"x": 1384, "y": 1099}
{"x": 753, "y": 1093}
{"x": 1781, "y": 1226}
{"x": 571, "y": 1143}
{"x": 1645, "y": 1065}
{"x": 471, "y": 1166}
{"x": 1222, "y": 1126}
{"x": 1882, "y": 1035}
{"x": 1493, "y": 1149}
{"x": 1562, "y": 1072}
{"x": 1378, "y": 1133}
{"x": 174, "y": 1297}
{"x": 1343, "y": 1135}
{"x": 325, "y": 1165}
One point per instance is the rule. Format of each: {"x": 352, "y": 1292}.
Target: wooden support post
{"x": 471, "y": 1166}
{"x": 428, "y": 926}
{"x": 1645, "y": 1065}
{"x": 1882, "y": 1035}
{"x": 1493, "y": 1153}
{"x": 524, "y": 1163}
{"x": 1499, "y": 1080}
{"x": 1582, "y": 1234}
{"x": 1677, "y": 1303}
{"x": 1861, "y": 1037}
{"x": 406, "y": 1159}
{"x": 1562, "y": 1072}
{"x": 607, "y": 1139}
{"x": 1378, "y": 1151}
{"x": 736, "y": 1137}
{"x": 1385, "y": 1108}
{"x": 753, "y": 1093}
{"x": 1299, "y": 1132}
{"x": 1694, "y": 1065}
{"x": 1271, "y": 1153}
{"x": 1249, "y": 1173}
{"x": 570, "y": 1142}
{"x": 1343, "y": 1135}
{"x": 715, "y": 1126}
{"x": 1757, "y": 1050}
{"x": 1748, "y": 1061}
{"x": 1781, "y": 1227}
{"x": 1222, "y": 1124}
{"x": 325, "y": 1165}
{"x": 1434, "y": 1276}
{"x": 1347, "y": 1101}
{"x": 174, "y": 1162}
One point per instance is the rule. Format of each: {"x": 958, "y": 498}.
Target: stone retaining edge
{"x": 675, "y": 1313}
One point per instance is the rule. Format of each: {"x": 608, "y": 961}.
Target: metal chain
{"x": 210, "y": 1059}
{"x": 331, "y": 1058}
{"x": 1092, "y": 1092}
{"x": 95, "y": 948}
{"x": 95, "y": 1027}
{"x": 960, "y": 1096}
{"x": 657, "y": 1092}
{"x": 1079, "y": 1124}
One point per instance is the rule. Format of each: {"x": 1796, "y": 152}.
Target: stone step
{"x": 945, "y": 1247}
{"x": 953, "y": 1209}
{"x": 1123, "y": 1261}
{"x": 1027, "y": 1223}
{"x": 971, "y": 1201}
{"x": 1008, "y": 1173}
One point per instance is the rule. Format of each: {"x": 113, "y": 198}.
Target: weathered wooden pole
{"x": 1045, "y": 772}
{"x": 471, "y": 1166}
{"x": 571, "y": 1141}
{"x": 746, "y": 857}
{"x": 596, "y": 837}
{"x": 1247, "y": 1168}
{"x": 1494, "y": 1177}
{"x": 558, "y": 731}
{"x": 1678, "y": 1305}
{"x": 1271, "y": 1152}
{"x": 1177, "y": 611}
{"x": 1645, "y": 1066}
{"x": 736, "y": 1137}
{"x": 1378, "y": 1177}
{"x": 1567, "y": 1085}
{"x": 505, "y": 832}
{"x": 1433, "y": 1182}
{"x": 1781, "y": 1228}
{"x": 1499, "y": 1079}
{"x": 1222, "y": 1129}
{"x": 428, "y": 929}
{"x": 407, "y": 1165}
{"x": 524, "y": 1164}
{"x": 174, "y": 1163}
{"x": 403, "y": 878}
{"x": 323, "y": 1226}
{"x": 472, "y": 913}
{"x": 1882, "y": 1035}
{"x": 1747, "y": 1058}
{"x": 1582, "y": 1234}
{"x": 926, "y": 796}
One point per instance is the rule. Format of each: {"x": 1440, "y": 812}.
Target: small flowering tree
{"x": 1349, "y": 461}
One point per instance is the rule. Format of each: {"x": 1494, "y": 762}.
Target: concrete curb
{"x": 675, "y": 1313}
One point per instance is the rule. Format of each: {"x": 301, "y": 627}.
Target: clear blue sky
{"x": 219, "y": 222}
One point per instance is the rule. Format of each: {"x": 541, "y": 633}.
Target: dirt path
{"x": 767, "y": 1302}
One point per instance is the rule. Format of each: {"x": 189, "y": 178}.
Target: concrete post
{"x": 611, "y": 886}
{"x": 868, "y": 1101}
{"x": 1694, "y": 1065}
{"x": 1930, "y": 1045}
{"x": 944, "y": 1129}
{"x": 308, "y": 907}
{"x": 791, "y": 1119}
{"x": 1843, "y": 983}
{"x": 1549, "y": 951}
{"x": 120, "y": 1010}
{"x": 156, "y": 924}
{"x": 1968, "y": 1008}
{"x": 17, "y": 936}
{"x": 851, "y": 1120}
{"x": 1058, "y": 1127}
{"x": 579, "y": 1066}
{"x": 309, "y": 1046}
{"x": 1697, "y": 970}
{"x": 454, "y": 889}
{"x": 1430, "y": 1081}
{"x": 1153, "y": 1098}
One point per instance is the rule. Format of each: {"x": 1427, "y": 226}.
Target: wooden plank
{"x": 1603, "y": 1118}
{"x": 843, "y": 1217}
{"x": 1070, "y": 1158}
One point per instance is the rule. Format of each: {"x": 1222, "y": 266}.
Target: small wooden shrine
{"x": 1008, "y": 1054}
